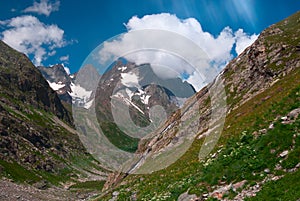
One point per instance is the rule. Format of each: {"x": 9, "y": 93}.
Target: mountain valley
{"x": 244, "y": 147}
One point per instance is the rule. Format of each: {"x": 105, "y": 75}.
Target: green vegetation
{"x": 287, "y": 188}
{"x": 88, "y": 185}
{"x": 118, "y": 138}
{"x": 17, "y": 173}
{"x": 241, "y": 154}
{"x": 65, "y": 167}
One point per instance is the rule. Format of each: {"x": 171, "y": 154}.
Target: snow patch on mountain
{"x": 128, "y": 102}
{"x": 122, "y": 68}
{"x": 88, "y": 104}
{"x": 81, "y": 96}
{"x": 80, "y": 92}
{"x": 143, "y": 96}
{"x": 56, "y": 86}
{"x": 130, "y": 80}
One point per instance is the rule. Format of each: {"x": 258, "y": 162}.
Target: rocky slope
{"x": 21, "y": 80}
{"x": 38, "y": 144}
{"x": 259, "y": 145}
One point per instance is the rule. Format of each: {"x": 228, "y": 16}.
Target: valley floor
{"x": 10, "y": 191}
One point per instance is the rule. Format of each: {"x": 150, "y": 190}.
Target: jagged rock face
{"x": 21, "y": 80}
{"x": 274, "y": 54}
{"x": 59, "y": 80}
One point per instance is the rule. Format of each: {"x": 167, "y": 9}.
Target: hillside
{"x": 257, "y": 155}
{"x": 38, "y": 145}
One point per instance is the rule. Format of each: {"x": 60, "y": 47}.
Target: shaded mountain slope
{"x": 38, "y": 145}
{"x": 22, "y": 81}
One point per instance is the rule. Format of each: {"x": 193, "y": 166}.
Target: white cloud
{"x": 243, "y": 40}
{"x": 44, "y": 7}
{"x": 32, "y": 37}
{"x": 218, "y": 48}
{"x": 64, "y": 58}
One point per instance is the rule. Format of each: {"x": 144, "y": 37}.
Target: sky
{"x": 66, "y": 31}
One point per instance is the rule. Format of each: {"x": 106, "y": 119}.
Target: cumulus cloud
{"x": 217, "y": 48}
{"x": 64, "y": 58}
{"x": 243, "y": 40}
{"x": 32, "y": 37}
{"x": 44, "y": 7}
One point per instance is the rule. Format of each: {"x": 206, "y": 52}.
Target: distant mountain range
{"x": 136, "y": 86}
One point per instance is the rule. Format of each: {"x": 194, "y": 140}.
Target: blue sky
{"x": 80, "y": 26}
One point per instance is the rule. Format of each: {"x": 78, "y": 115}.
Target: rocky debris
{"x": 267, "y": 170}
{"x": 42, "y": 185}
{"x": 112, "y": 179}
{"x": 133, "y": 196}
{"x": 291, "y": 117}
{"x": 271, "y": 126}
{"x": 238, "y": 185}
{"x": 10, "y": 191}
{"x": 294, "y": 169}
{"x": 221, "y": 191}
{"x": 115, "y": 195}
{"x": 251, "y": 191}
{"x": 186, "y": 197}
{"x": 263, "y": 131}
{"x": 284, "y": 153}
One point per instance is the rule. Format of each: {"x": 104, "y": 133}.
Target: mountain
{"x": 58, "y": 80}
{"x": 137, "y": 87}
{"x": 257, "y": 155}
{"x": 65, "y": 84}
{"x": 147, "y": 91}
{"x": 23, "y": 82}
{"x": 39, "y": 147}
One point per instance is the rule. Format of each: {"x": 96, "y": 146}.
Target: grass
{"x": 88, "y": 185}
{"x": 242, "y": 156}
{"x": 67, "y": 166}
{"x": 118, "y": 138}
{"x": 17, "y": 172}
{"x": 287, "y": 188}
